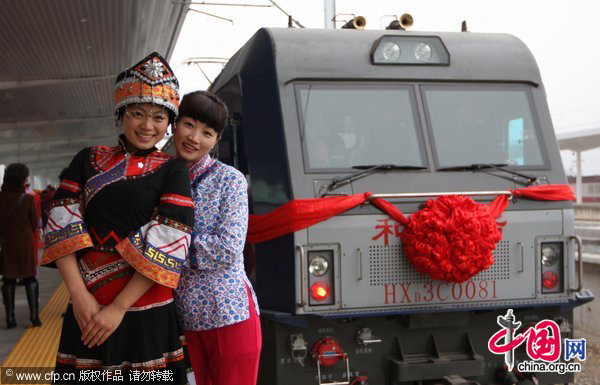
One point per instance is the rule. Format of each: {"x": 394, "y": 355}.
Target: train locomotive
{"x": 408, "y": 117}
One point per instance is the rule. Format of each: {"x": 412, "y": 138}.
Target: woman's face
{"x": 193, "y": 139}
{"x": 144, "y": 125}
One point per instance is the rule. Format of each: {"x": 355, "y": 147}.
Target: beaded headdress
{"x": 149, "y": 81}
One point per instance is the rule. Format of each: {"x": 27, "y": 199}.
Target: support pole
{"x": 329, "y": 13}
{"x": 578, "y": 179}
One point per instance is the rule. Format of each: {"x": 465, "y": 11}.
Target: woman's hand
{"x": 102, "y": 325}
{"x": 105, "y": 322}
{"x": 85, "y": 307}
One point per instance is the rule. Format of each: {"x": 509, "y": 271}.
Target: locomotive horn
{"x": 404, "y": 22}
{"x": 358, "y": 22}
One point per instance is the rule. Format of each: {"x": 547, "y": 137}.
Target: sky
{"x": 562, "y": 36}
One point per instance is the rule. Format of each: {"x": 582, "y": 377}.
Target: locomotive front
{"x": 415, "y": 119}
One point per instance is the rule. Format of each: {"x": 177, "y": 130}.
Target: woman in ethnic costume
{"x": 214, "y": 298}
{"x": 118, "y": 231}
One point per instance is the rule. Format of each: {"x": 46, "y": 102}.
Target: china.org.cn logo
{"x": 543, "y": 343}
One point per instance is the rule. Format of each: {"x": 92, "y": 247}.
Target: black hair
{"x": 63, "y": 174}
{"x": 205, "y": 107}
{"x": 16, "y": 174}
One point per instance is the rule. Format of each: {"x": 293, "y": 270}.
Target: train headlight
{"x": 423, "y": 52}
{"x": 390, "y": 51}
{"x": 404, "y": 49}
{"x": 549, "y": 256}
{"x": 318, "y": 266}
{"x": 552, "y": 266}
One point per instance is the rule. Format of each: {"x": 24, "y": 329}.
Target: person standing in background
{"x": 18, "y": 222}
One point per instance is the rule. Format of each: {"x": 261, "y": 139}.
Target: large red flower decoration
{"x": 452, "y": 238}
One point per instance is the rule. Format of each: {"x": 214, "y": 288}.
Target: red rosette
{"x": 451, "y": 239}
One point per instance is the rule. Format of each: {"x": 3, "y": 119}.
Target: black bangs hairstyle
{"x": 16, "y": 174}
{"x": 205, "y": 107}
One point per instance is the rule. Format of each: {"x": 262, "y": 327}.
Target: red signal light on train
{"x": 549, "y": 280}
{"x": 319, "y": 291}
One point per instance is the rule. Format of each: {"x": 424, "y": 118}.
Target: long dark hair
{"x": 205, "y": 107}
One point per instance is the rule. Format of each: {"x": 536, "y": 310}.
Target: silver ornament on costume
{"x": 154, "y": 69}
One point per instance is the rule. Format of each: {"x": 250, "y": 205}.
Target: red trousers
{"x": 227, "y": 355}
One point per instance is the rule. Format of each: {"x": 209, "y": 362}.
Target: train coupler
{"x": 327, "y": 352}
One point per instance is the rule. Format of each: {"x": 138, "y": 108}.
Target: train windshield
{"x": 482, "y": 124}
{"x": 350, "y": 125}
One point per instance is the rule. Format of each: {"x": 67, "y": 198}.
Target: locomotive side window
{"x": 471, "y": 125}
{"x": 343, "y": 126}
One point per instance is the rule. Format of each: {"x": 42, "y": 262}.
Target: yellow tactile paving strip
{"x": 38, "y": 346}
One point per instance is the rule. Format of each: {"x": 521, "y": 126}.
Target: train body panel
{"x": 375, "y": 275}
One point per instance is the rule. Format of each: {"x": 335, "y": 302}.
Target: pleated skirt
{"x": 148, "y": 347}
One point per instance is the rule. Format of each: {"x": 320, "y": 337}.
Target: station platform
{"x": 35, "y": 347}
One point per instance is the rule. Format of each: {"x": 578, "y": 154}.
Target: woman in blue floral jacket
{"x": 215, "y": 299}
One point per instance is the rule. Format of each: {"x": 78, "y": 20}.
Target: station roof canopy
{"x": 58, "y": 64}
{"x": 579, "y": 140}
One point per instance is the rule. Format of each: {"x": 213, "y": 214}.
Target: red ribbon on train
{"x": 450, "y": 239}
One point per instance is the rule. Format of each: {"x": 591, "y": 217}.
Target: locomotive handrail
{"x": 304, "y": 288}
{"x": 359, "y": 255}
{"x": 579, "y": 261}
{"x": 521, "y": 247}
{"x": 437, "y": 194}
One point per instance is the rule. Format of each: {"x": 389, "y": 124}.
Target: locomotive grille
{"x": 389, "y": 264}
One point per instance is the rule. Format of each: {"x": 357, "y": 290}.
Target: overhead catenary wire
{"x": 212, "y": 15}
{"x": 204, "y": 73}
{"x": 225, "y": 4}
{"x": 287, "y": 14}
{"x": 273, "y": 4}
{"x": 206, "y": 60}
{"x": 198, "y": 61}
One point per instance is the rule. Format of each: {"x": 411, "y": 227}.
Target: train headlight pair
{"x": 319, "y": 266}
{"x": 409, "y": 50}
{"x": 321, "y": 282}
{"x": 552, "y": 267}
{"x": 390, "y": 52}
